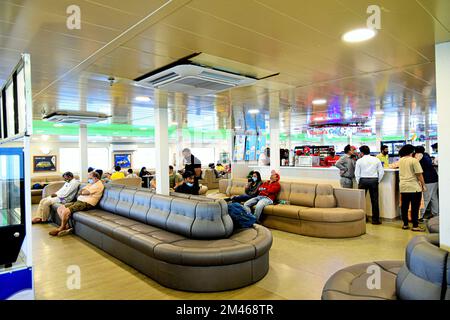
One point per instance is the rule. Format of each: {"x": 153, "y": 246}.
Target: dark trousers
{"x": 371, "y": 185}
{"x": 242, "y": 198}
{"x": 413, "y": 198}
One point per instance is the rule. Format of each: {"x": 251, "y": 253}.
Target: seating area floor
{"x": 299, "y": 266}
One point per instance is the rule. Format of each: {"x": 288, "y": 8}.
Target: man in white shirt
{"x": 64, "y": 195}
{"x": 369, "y": 172}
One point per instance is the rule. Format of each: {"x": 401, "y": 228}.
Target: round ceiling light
{"x": 253, "y": 111}
{"x": 359, "y": 35}
{"x": 143, "y": 99}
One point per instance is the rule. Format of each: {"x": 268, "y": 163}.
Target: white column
{"x": 161, "y": 143}
{"x": 83, "y": 144}
{"x": 274, "y": 107}
{"x": 443, "y": 113}
{"x": 230, "y": 141}
{"x": 427, "y": 132}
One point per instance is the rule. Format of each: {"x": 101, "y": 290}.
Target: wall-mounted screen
{"x": 44, "y": 163}
{"x": 122, "y": 160}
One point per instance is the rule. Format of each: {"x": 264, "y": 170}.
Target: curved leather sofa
{"x": 433, "y": 225}
{"x": 423, "y": 276}
{"x": 184, "y": 243}
{"x": 315, "y": 210}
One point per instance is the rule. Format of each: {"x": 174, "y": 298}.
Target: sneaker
{"x": 405, "y": 227}
{"x": 418, "y": 229}
{"x": 65, "y": 232}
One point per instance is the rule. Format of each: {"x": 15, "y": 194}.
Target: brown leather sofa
{"x": 183, "y": 242}
{"x": 36, "y": 194}
{"x": 316, "y": 210}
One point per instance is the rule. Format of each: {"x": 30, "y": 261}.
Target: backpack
{"x": 240, "y": 217}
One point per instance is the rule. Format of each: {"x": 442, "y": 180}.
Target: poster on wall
{"x": 250, "y": 148}
{"x": 239, "y": 147}
{"x": 122, "y": 160}
{"x": 44, "y": 163}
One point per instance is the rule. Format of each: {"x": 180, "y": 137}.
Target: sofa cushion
{"x": 332, "y": 214}
{"x": 181, "y": 217}
{"x": 110, "y": 198}
{"x": 141, "y": 204}
{"x": 285, "y": 191}
{"x": 284, "y": 210}
{"x": 237, "y": 187}
{"x": 159, "y": 211}
{"x": 125, "y": 202}
{"x": 351, "y": 283}
{"x": 325, "y": 196}
{"x": 302, "y": 194}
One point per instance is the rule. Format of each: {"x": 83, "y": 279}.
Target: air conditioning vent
{"x": 195, "y": 80}
{"x": 75, "y": 117}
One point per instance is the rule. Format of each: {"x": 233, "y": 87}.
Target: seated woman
{"x": 268, "y": 192}
{"x": 251, "y": 190}
{"x": 188, "y": 186}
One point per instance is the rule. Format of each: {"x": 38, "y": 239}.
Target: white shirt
{"x": 369, "y": 167}
{"x": 68, "y": 190}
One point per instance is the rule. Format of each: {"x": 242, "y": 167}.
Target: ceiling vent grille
{"x": 75, "y": 117}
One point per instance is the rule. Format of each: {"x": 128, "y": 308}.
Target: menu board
{"x": 250, "y": 148}
{"x": 239, "y": 148}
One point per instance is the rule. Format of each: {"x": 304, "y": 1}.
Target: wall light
{"x": 319, "y": 101}
{"x": 253, "y": 111}
{"x": 143, "y": 99}
{"x": 359, "y": 35}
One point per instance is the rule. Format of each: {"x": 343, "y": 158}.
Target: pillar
{"x": 274, "y": 109}
{"x": 83, "y": 145}
{"x": 443, "y": 113}
{"x": 161, "y": 143}
{"x": 427, "y": 132}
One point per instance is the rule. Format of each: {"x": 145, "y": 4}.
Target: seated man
{"x": 175, "y": 179}
{"x": 117, "y": 174}
{"x": 131, "y": 174}
{"x": 268, "y": 192}
{"x": 88, "y": 198}
{"x": 64, "y": 195}
{"x": 188, "y": 186}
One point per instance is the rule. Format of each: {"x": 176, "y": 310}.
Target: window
{"x": 70, "y": 159}
{"x": 144, "y": 157}
{"x": 206, "y": 155}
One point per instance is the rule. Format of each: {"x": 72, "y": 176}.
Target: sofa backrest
{"x": 424, "y": 274}
{"x": 194, "y": 217}
{"x": 324, "y": 196}
{"x": 302, "y": 194}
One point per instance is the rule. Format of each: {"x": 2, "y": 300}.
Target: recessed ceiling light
{"x": 238, "y": 127}
{"x": 253, "y": 111}
{"x": 319, "y": 101}
{"x": 143, "y": 99}
{"x": 359, "y": 35}
{"x": 378, "y": 112}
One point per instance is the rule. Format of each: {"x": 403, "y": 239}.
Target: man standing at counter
{"x": 331, "y": 159}
{"x": 384, "y": 156}
{"x": 369, "y": 172}
{"x": 346, "y": 165}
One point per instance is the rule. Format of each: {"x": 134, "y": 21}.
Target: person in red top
{"x": 268, "y": 192}
{"x": 331, "y": 159}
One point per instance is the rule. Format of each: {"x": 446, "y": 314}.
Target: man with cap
{"x": 331, "y": 159}
{"x": 267, "y": 193}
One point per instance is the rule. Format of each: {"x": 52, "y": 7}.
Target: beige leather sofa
{"x": 210, "y": 180}
{"x": 131, "y": 182}
{"x": 36, "y": 194}
{"x": 316, "y": 210}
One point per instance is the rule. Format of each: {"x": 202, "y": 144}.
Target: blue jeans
{"x": 260, "y": 202}
{"x": 241, "y": 198}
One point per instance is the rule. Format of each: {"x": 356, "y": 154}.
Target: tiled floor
{"x": 299, "y": 266}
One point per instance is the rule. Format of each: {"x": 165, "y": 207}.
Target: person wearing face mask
{"x": 251, "y": 190}
{"x": 431, "y": 178}
{"x": 384, "y": 156}
{"x": 188, "y": 186}
{"x": 64, "y": 195}
{"x": 88, "y": 197}
{"x": 267, "y": 193}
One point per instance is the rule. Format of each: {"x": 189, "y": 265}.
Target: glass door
{"x": 12, "y": 204}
